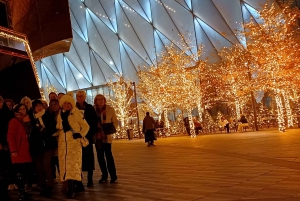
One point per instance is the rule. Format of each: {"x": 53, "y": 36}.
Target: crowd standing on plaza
{"x": 38, "y": 141}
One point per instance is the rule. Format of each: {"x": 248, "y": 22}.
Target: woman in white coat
{"x": 72, "y": 127}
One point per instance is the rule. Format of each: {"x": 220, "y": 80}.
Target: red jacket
{"x": 18, "y": 142}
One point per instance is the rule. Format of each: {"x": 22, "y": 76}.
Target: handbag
{"x": 108, "y": 128}
{"x": 83, "y": 140}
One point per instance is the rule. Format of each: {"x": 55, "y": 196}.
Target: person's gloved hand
{"x": 76, "y": 135}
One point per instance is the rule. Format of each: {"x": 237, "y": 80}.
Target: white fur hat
{"x": 67, "y": 98}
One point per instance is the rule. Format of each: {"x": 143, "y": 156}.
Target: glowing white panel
{"x": 143, "y": 30}
{"x": 128, "y": 67}
{"x": 109, "y": 7}
{"x": 98, "y": 77}
{"x": 183, "y": 20}
{"x": 48, "y": 62}
{"x": 39, "y": 70}
{"x": 82, "y": 49}
{"x": 44, "y": 79}
{"x": 183, "y": 3}
{"x": 189, "y": 3}
{"x": 217, "y": 40}
{"x": 71, "y": 82}
{"x": 208, "y": 13}
{"x": 58, "y": 59}
{"x": 166, "y": 41}
{"x": 78, "y": 10}
{"x": 209, "y": 51}
{"x": 108, "y": 44}
{"x": 231, "y": 12}
{"x": 76, "y": 27}
{"x": 159, "y": 46}
{"x": 128, "y": 34}
{"x": 134, "y": 6}
{"x": 258, "y": 4}
{"x": 254, "y": 14}
{"x": 106, "y": 70}
{"x": 73, "y": 54}
{"x": 147, "y": 8}
{"x": 136, "y": 60}
{"x": 97, "y": 9}
{"x": 80, "y": 79}
{"x": 53, "y": 81}
{"x": 163, "y": 22}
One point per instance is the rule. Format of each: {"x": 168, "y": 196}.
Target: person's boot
{"x": 79, "y": 187}
{"x": 3, "y": 191}
{"x": 46, "y": 191}
{"x": 21, "y": 188}
{"x": 71, "y": 189}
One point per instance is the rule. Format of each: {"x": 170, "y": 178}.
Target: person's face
{"x": 38, "y": 108}
{"x": 52, "y": 96}
{"x": 9, "y": 105}
{"x": 60, "y": 95}
{"x": 100, "y": 101}
{"x": 80, "y": 98}
{"x": 67, "y": 106}
{"x": 27, "y": 103}
{"x": 54, "y": 106}
{"x": 45, "y": 106}
{"x": 1, "y": 104}
{"x": 22, "y": 110}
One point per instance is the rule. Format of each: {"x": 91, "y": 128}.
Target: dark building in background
{"x": 18, "y": 81}
{"x": 47, "y": 25}
{"x": 3, "y": 14}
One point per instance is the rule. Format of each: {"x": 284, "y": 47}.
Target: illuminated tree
{"x": 170, "y": 84}
{"x": 275, "y": 45}
{"x": 120, "y": 100}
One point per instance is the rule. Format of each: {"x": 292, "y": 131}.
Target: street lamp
{"x": 136, "y": 107}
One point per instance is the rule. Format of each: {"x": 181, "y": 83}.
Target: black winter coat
{"x": 42, "y": 140}
{"x": 88, "y": 161}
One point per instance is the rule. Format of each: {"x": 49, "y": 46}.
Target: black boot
{"x": 79, "y": 187}
{"x": 3, "y": 190}
{"x": 71, "y": 189}
{"x": 21, "y": 188}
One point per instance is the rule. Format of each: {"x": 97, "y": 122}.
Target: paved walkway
{"x": 252, "y": 166}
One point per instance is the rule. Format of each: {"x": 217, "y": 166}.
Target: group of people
{"x": 241, "y": 123}
{"x": 36, "y": 138}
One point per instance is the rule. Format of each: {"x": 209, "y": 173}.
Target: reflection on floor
{"x": 252, "y": 166}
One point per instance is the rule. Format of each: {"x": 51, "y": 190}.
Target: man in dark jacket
{"x": 88, "y": 161}
{"x": 43, "y": 145}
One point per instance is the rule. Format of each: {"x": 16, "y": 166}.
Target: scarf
{"x": 100, "y": 136}
{"x": 39, "y": 117}
{"x": 65, "y": 123}
{"x": 101, "y": 111}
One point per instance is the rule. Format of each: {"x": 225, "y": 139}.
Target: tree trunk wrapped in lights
{"x": 281, "y": 124}
{"x": 121, "y": 102}
{"x": 288, "y": 110}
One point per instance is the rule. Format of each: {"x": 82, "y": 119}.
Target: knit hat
{"x": 36, "y": 102}
{"x": 67, "y": 98}
{"x": 1, "y": 99}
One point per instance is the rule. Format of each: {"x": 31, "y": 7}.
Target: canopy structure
{"x": 118, "y": 36}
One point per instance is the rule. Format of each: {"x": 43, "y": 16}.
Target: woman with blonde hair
{"x": 107, "y": 123}
{"x": 72, "y": 127}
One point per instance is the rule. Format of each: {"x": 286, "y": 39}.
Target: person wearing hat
{"x": 43, "y": 146}
{"x": 71, "y": 127}
{"x": 17, "y": 137}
